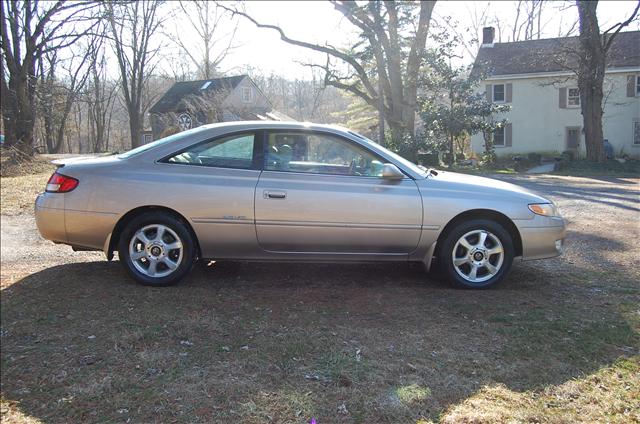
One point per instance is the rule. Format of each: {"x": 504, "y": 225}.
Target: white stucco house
{"x": 534, "y": 77}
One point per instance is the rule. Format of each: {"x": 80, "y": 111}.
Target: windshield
{"x": 406, "y": 163}
{"x": 175, "y": 137}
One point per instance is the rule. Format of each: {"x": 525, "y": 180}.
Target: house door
{"x": 572, "y": 138}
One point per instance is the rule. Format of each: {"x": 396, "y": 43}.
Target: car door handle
{"x": 268, "y": 194}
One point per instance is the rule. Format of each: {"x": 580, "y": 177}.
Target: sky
{"x": 318, "y": 21}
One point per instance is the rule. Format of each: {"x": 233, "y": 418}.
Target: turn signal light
{"x": 544, "y": 209}
{"x": 59, "y": 183}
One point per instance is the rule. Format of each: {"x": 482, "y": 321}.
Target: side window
{"x": 573, "y": 97}
{"x": 319, "y": 154}
{"x": 498, "y": 93}
{"x": 498, "y": 137}
{"x": 228, "y": 152}
{"x": 247, "y": 95}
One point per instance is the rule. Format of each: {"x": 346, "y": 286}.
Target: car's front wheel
{"x": 476, "y": 254}
{"x": 156, "y": 249}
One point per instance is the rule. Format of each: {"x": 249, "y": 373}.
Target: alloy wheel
{"x": 478, "y": 256}
{"x": 156, "y": 250}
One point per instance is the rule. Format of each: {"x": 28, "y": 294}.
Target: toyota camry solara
{"x": 290, "y": 192}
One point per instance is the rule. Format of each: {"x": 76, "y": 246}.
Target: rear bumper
{"x": 543, "y": 241}
{"x": 49, "y": 212}
{"x": 84, "y": 230}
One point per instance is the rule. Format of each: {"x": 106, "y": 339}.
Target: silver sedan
{"x": 290, "y": 191}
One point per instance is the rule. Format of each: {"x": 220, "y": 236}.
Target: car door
{"x": 212, "y": 184}
{"x": 319, "y": 192}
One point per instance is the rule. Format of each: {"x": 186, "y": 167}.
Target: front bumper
{"x": 542, "y": 238}
{"x": 49, "y": 212}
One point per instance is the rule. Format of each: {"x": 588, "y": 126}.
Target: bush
{"x": 567, "y": 155}
{"x": 534, "y": 158}
{"x": 429, "y": 159}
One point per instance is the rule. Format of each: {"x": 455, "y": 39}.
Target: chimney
{"x": 488, "y": 33}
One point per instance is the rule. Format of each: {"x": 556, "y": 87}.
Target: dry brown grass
{"x": 610, "y": 395}
{"x": 10, "y": 414}
{"x": 256, "y": 343}
{"x": 18, "y": 194}
{"x": 21, "y": 181}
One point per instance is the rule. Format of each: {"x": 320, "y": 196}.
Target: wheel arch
{"x": 488, "y": 214}
{"x": 114, "y": 237}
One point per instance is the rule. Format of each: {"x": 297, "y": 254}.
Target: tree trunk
{"x": 19, "y": 115}
{"x": 135, "y": 126}
{"x": 451, "y": 150}
{"x": 397, "y": 132}
{"x": 591, "y": 79}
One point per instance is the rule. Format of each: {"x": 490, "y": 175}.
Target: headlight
{"x": 544, "y": 209}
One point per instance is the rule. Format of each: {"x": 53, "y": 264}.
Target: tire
{"x": 462, "y": 250}
{"x": 160, "y": 261}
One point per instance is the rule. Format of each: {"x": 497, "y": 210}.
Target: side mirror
{"x": 391, "y": 172}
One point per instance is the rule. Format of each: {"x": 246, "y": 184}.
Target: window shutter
{"x": 489, "y": 93}
{"x": 563, "y": 97}
{"x": 631, "y": 85}
{"x": 509, "y": 94}
{"x": 508, "y": 132}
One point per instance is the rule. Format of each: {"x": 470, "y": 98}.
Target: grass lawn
{"x": 612, "y": 168}
{"x": 576, "y": 168}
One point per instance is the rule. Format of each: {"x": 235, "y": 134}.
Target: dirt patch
{"x": 282, "y": 343}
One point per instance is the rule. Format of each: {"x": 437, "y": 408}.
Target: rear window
{"x": 170, "y": 139}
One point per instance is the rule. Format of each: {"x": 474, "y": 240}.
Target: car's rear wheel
{"x": 156, "y": 249}
{"x": 476, "y": 254}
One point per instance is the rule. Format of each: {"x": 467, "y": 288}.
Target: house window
{"x": 498, "y": 137}
{"x": 636, "y": 133}
{"x": 247, "y": 95}
{"x": 637, "y": 85}
{"x": 498, "y": 92}
{"x": 573, "y": 97}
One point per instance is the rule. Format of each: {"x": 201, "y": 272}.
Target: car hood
{"x": 482, "y": 185}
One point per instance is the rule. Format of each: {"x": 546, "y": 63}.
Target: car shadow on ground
{"x": 242, "y": 341}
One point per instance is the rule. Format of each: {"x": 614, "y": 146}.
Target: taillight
{"x": 59, "y": 183}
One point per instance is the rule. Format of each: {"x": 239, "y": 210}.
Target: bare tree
{"x": 527, "y": 24}
{"x": 99, "y": 99}
{"x": 61, "y": 82}
{"x": 591, "y": 70}
{"x": 392, "y": 37}
{"x": 133, "y": 26}
{"x": 29, "y": 30}
{"x": 212, "y": 45}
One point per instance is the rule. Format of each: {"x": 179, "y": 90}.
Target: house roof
{"x": 552, "y": 55}
{"x": 178, "y": 91}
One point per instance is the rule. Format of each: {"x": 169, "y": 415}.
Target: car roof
{"x": 213, "y": 130}
{"x": 289, "y": 125}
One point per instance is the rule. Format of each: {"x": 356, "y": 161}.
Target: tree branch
{"x": 618, "y": 27}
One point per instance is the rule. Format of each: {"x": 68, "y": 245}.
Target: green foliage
{"x": 450, "y": 105}
{"x": 408, "y": 147}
